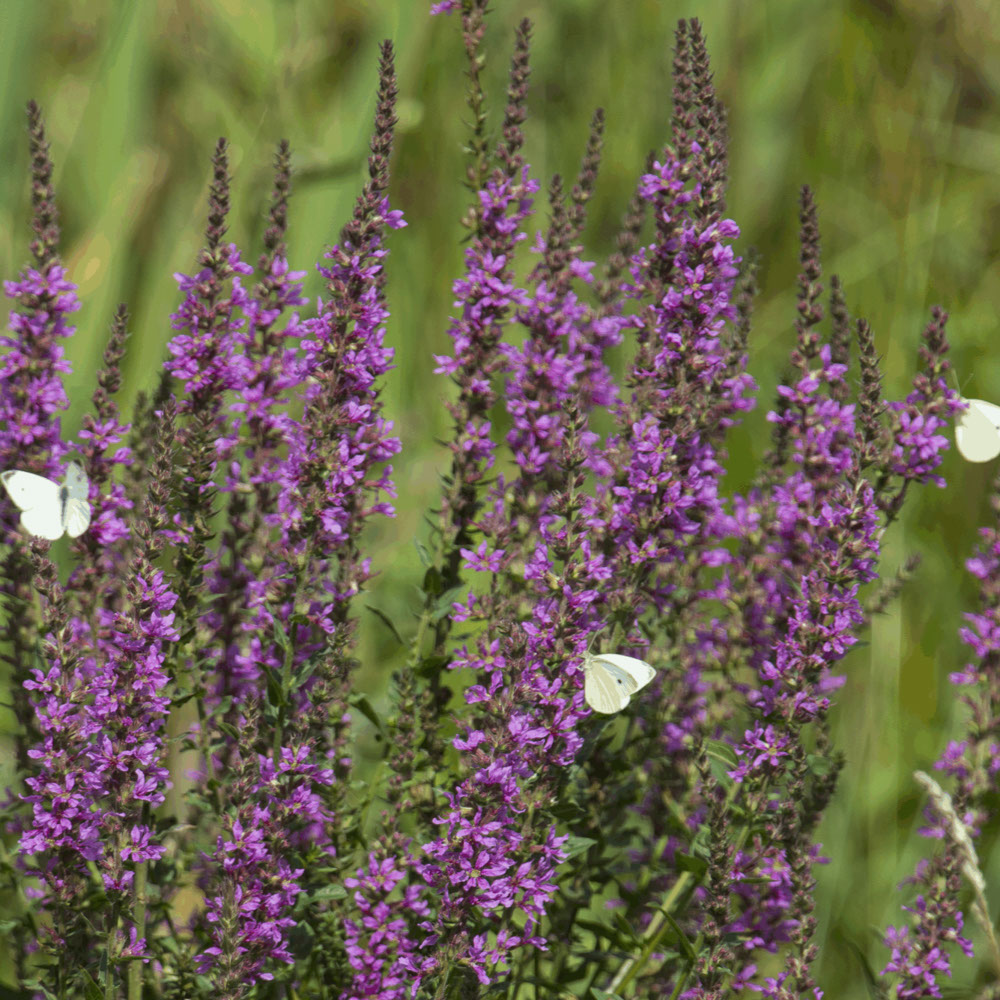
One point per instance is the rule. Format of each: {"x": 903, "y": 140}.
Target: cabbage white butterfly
{"x": 48, "y": 509}
{"x": 611, "y": 679}
{"x": 977, "y": 431}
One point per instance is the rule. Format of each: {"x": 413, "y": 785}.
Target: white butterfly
{"x": 611, "y": 679}
{"x": 977, "y": 431}
{"x": 48, "y": 509}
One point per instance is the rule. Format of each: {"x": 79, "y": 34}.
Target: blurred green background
{"x": 888, "y": 109}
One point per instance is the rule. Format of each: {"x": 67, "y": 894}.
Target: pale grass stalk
{"x": 958, "y": 833}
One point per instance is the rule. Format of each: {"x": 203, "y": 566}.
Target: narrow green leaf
{"x": 625, "y": 927}
{"x": 687, "y": 863}
{"x": 442, "y": 606}
{"x": 387, "y": 621}
{"x": 365, "y": 707}
{"x": 229, "y": 730}
{"x": 329, "y": 892}
{"x": 275, "y": 692}
{"x": 577, "y": 845}
{"x": 689, "y": 953}
{"x": 720, "y": 750}
{"x": 90, "y": 988}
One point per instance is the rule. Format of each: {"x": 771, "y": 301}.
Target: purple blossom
{"x": 31, "y": 370}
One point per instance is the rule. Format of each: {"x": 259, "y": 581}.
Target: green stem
{"x": 139, "y": 919}
{"x": 658, "y": 926}
{"x": 440, "y": 994}
{"x": 109, "y": 947}
{"x": 631, "y": 967}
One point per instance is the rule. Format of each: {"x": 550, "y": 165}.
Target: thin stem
{"x": 139, "y": 920}
{"x": 631, "y": 967}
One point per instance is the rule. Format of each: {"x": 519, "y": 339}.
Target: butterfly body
{"x": 49, "y": 509}
{"x": 611, "y": 679}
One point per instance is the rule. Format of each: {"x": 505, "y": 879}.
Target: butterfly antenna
{"x": 958, "y": 385}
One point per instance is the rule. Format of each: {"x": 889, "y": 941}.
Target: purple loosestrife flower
{"x": 31, "y": 389}
{"x": 204, "y": 355}
{"x": 921, "y": 953}
{"x": 524, "y": 731}
{"x": 210, "y": 317}
{"x": 334, "y": 476}
{"x": 249, "y": 907}
{"x": 486, "y": 295}
{"x": 347, "y": 365}
{"x": 100, "y": 765}
{"x": 270, "y": 373}
{"x": 100, "y": 433}
{"x": 316, "y": 482}
{"x": 481, "y": 866}
{"x": 91, "y": 705}
{"x": 917, "y": 445}
{"x": 31, "y": 395}
{"x": 31, "y": 370}
{"x": 559, "y": 372}
{"x": 821, "y": 527}
{"x": 385, "y": 943}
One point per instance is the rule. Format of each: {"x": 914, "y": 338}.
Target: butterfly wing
{"x": 28, "y": 490}
{"x": 977, "y": 431}
{"x": 636, "y": 673}
{"x": 76, "y": 482}
{"x": 39, "y": 501}
{"x": 76, "y": 517}
{"x": 75, "y": 509}
{"x": 603, "y": 690}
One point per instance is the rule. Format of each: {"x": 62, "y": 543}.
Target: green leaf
{"x": 432, "y": 581}
{"x": 687, "y": 863}
{"x": 603, "y": 994}
{"x": 365, "y": 707}
{"x": 387, "y": 621}
{"x": 280, "y": 635}
{"x": 275, "y": 692}
{"x": 577, "y": 845}
{"x": 600, "y": 930}
{"x": 35, "y": 986}
{"x": 625, "y": 927}
{"x": 329, "y": 892}
{"x": 302, "y": 674}
{"x": 425, "y": 556}
{"x": 442, "y": 606}
{"x": 431, "y": 666}
{"x": 229, "y": 730}
{"x": 686, "y": 946}
{"x": 820, "y": 766}
{"x": 722, "y": 751}
{"x": 721, "y": 760}
{"x": 90, "y": 988}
